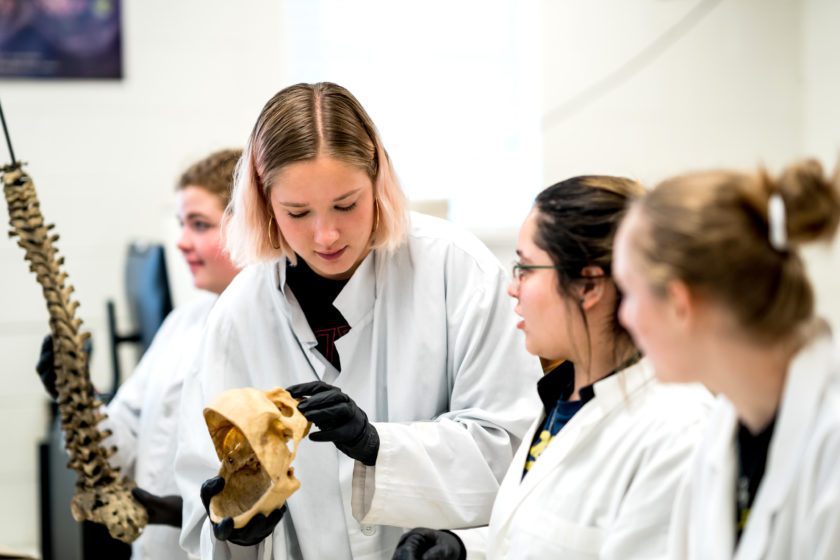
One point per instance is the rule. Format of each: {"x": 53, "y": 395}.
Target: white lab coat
{"x": 605, "y": 484}
{"x": 432, "y": 357}
{"x": 796, "y": 512}
{"x": 143, "y": 417}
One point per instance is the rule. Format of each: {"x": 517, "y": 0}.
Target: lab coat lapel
{"x": 508, "y": 496}
{"x": 809, "y": 373}
{"x": 573, "y": 435}
{"x": 287, "y": 304}
{"x": 356, "y": 300}
{"x": 355, "y": 303}
{"x": 610, "y": 393}
{"x": 719, "y": 494}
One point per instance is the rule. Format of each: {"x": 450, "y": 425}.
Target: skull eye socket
{"x": 232, "y": 440}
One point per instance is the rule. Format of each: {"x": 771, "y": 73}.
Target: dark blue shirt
{"x": 554, "y": 389}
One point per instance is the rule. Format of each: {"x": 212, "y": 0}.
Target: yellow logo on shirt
{"x": 537, "y": 449}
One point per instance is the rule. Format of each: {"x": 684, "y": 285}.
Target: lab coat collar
{"x": 610, "y": 393}
{"x": 721, "y": 451}
{"x": 277, "y": 272}
{"x": 560, "y": 383}
{"x": 617, "y": 390}
{"x": 356, "y": 300}
{"x": 288, "y": 305}
{"x": 809, "y": 372}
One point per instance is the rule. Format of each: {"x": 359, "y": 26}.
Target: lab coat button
{"x": 368, "y": 530}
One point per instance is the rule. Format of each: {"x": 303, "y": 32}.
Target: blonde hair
{"x": 300, "y": 123}
{"x": 213, "y": 173}
{"x": 711, "y": 230}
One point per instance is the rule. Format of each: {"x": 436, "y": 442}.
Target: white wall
{"x": 821, "y": 130}
{"x": 753, "y": 82}
{"x": 104, "y": 157}
{"x": 456, "y": 102}
{"x": 728, "y": 93}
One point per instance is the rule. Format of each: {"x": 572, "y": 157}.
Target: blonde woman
{"x": 597, "y": 473}
{"x": 392, "y": 329}
{"x": 716, "y": 292}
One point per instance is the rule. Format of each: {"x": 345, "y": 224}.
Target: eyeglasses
{"x": 518, "y": 269}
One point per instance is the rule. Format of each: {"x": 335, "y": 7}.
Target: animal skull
{"x": 250, "y": 430}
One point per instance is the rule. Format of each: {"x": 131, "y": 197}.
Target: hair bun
{"x": 812, "y": 201}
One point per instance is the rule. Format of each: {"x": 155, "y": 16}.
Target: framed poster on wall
{"x": 70, "y": 39}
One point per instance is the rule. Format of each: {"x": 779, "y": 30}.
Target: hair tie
{"x": 777, "y": 221}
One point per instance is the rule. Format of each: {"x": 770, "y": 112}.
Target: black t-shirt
{"x": 752, "y": 460}
{"x": 316, "y": 295}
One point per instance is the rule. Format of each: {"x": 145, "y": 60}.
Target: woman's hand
{"x": 162, "y": 510}
{"x": 339, "y": 420}
{"x": 46, "y": 364}
{"x": 428, "y": 544}
{"x": 254, "y": 532}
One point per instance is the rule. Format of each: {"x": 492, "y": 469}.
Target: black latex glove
{"x": 254, "y": 532}
{"x": 162, "y": 510}
{"x": 340, "y": 420}
{"x": 428, "y": 544}
{"x": 46, "y": 364}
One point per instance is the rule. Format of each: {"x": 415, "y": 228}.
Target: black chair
{"x": 149, "y": 302}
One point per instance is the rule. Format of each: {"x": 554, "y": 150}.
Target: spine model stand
{"x": 102, "y": 494}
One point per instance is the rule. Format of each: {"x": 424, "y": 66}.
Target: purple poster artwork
{"x": 60, "y": 39}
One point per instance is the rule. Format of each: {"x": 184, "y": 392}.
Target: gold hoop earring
{"x": 270, "y": 228}
{"x": 375, "y": 216}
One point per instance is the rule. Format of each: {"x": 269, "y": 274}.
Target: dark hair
{"x": 576, "y": 225}
{"x": 711, "y": 230}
